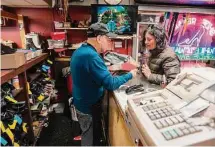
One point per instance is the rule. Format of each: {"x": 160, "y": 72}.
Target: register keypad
{"x": 154, "y": 106}
{"x": 164, "y": 115}
{"x": 179, "y": 132}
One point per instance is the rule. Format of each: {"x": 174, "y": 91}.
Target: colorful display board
{"x": 120, "y": 19}
{"x": 194, "y": 37}
{"x": 209, "y": 3}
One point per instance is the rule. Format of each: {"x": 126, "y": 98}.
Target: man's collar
{"x": 94, "y": 44}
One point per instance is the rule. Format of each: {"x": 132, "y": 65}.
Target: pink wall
{"x": 40, "y": 20}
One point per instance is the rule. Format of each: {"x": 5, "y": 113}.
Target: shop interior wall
{"x": 40, "y": 20}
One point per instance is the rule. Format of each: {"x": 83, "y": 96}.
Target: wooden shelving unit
{"x": 16, "y": 92}
{"x": 7, "y": 75}
{"x": 9, "y": 15}
{"x": 63, "y": 59}
{"x": 34, "y": 76}
{"x": 71, "y": 28}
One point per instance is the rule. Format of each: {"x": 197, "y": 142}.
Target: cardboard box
{"x": 38, "y": 52}
{"x": 10, "y": 61}
{"x": 28, "y": 53}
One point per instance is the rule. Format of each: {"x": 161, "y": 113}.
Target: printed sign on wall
{"x": 194, "y": 37}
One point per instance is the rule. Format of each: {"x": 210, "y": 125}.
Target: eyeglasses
{"x": 108, "y": 39}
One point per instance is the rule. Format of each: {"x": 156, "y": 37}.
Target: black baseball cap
{"x": 99, "y": 29}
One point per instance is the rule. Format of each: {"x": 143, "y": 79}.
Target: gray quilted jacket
{"x": 163, "y": 63}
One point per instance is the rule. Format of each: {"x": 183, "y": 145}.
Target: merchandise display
{"x": 13, "y": 128}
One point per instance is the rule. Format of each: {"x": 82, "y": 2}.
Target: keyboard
{"x": 163, "y": 115}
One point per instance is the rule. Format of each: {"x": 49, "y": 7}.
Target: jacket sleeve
{"x": 155, "y": 78}
{"x": 101, "y": 75}
{"x": 171, "y": 67}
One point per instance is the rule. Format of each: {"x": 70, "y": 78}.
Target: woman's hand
{"x": 146, "y": 71}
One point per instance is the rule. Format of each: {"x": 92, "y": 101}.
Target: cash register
{"x": 181, "y": 114}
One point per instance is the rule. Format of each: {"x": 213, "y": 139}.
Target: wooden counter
{"x": 118, "y": 131}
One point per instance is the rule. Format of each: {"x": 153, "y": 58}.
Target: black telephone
{"x": 134, "y": 89}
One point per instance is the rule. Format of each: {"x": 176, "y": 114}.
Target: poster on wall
{"x": 194, "y": 37}
{"x": 210, "y": 3}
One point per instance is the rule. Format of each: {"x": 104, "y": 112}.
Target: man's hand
{"x": 134, "y": 73}
{"x": 146, "y": 71}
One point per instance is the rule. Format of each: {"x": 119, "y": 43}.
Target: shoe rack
{"x": 22, "y": 93}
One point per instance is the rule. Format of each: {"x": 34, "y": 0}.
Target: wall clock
{"x": 113, "y": 2}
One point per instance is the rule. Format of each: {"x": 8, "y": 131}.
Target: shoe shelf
{"x": 38, "y": 125}
{"x": 22, "y": 93}
{"x": 6, "y": 75}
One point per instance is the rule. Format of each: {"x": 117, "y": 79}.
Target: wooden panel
{"x": 16, "y": 92}
{"x": 62, "y": 59}
{"x": 35, "y": 61}
{"x": 7, "y": 2}
{"x": 83, "y": 3}
{"x": 8, "y": 15}
{"x": 26, "y": 3}
{"x": 17, "y": 3}
{"x": 118, "y": 131}
{"x": 23, "y": 83}
{"x": 21, "y": 30}
{"x": 6, "y": 75}
{"x": 37, "y": 2}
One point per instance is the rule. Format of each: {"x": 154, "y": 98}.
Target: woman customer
{"x": 163, "y": 64}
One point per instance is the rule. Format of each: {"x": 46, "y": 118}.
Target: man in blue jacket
{"x": 90, "y": 77}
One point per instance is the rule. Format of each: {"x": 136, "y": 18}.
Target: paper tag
{"x": 2, "y": 127}
{"x": 41, "y": 97}
{"x": 10, "y": 134}
{"x": 73, "y": 112}
{"x": 11, "y": 99}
